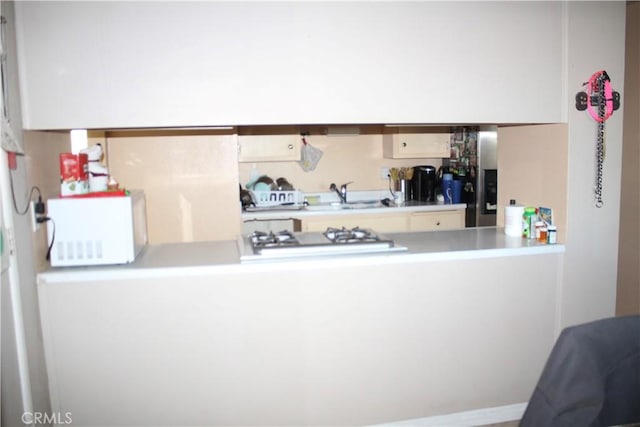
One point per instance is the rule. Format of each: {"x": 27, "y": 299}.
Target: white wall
{"x": 591, "y": 257}
{"x": 23, "y": 383}
{"x": 592, "y": 233}
{"x": 154, "y": 64}
{"x": 628, "y": 297}
{"x": 295, "y": 344}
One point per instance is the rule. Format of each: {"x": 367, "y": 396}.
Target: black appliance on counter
{"x": 423, "y": 183}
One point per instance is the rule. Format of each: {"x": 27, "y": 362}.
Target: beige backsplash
{"x": 190, "y": 182}
{"x": 345, "y": 159}
{"x": 42, "y": 150}
{"x": 191, "y": 178}
{"x": 532, "y": 169}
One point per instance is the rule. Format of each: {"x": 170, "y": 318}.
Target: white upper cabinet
{"x": 409, "y": 145}
{"x": 268, "y": 148}
{"x": 176, "y": 64}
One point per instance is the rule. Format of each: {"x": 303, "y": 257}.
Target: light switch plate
{"x": 384, "y": 172}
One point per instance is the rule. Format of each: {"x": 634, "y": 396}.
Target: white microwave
{"x": 96, "y": 230}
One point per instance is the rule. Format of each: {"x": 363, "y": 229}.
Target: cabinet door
{"x": 268, "y": 148}
{"x": 258, "y": 76}
{"x": 378, "y": 223}
{"x": 251, "y": 225}
{"x": 429, "y": 221}
{"x": 417, "y": 145}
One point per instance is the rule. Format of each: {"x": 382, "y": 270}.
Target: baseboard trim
{"x": 477, "y": 417}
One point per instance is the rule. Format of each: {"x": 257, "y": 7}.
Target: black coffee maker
{"x": 423, "y": 183}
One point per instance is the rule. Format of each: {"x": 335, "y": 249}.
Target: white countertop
{"x": 184, "y": 259}
{"x": 328, "y": 198}
{"x": 412, "y": 206}
{"x": 468, "y": 243}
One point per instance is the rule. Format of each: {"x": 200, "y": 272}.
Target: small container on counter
{"x": 552, "y": 235}
{"x": 541, "y": 232}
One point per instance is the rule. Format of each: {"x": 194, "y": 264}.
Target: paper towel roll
{"x": 513, "y": 220}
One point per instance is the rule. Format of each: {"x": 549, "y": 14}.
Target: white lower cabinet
{"x": 389, "y": 223}
{"x": 381, "y": 223}
{"x": 249, "y": 226}
{"x": 429, "y": 221}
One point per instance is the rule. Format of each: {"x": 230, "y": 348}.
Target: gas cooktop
{"x": 334, "y": 241}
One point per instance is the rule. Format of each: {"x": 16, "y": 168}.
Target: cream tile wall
{"x": 532, "y": 169}
{"x": 191, "y": 177}
{"x": 42, "y": 150}
{"x": 190, "y": 180}
{"x": 355, "y": 158}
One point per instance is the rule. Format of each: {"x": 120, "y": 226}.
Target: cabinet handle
{"x": 404, "y": 144}
{"x": 438, "y": 223}
{"x": 290, "y": 146}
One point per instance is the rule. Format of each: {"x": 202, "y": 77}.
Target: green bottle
{"x": 529, "y": 220}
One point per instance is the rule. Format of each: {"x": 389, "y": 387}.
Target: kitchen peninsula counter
{"x": 174, "y": 258}
{"x": 462, "y": 320}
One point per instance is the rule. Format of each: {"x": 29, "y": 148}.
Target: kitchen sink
{"x": 361, "y": 204}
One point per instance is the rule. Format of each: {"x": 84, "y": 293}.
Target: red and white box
{"x": 74, "y": 176}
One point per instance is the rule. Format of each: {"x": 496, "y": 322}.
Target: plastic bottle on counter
{"x": 513, "y": 219}
{"x": 541, "y": 232}
{"x": 529, "y": 223}
{"x": 552, "y": 237}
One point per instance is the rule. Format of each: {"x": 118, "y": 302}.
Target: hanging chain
{"x": 600, "y": 143}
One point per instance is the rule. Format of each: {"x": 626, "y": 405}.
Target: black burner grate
{"x": 350, "y": 235}
{"x": 261, "y": 239}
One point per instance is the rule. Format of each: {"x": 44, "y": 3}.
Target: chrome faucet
{"x": 342, "y": 192}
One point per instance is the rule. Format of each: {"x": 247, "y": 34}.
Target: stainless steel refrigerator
{"x": 474, "y": 161}
{"x": 487, "y": 179}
